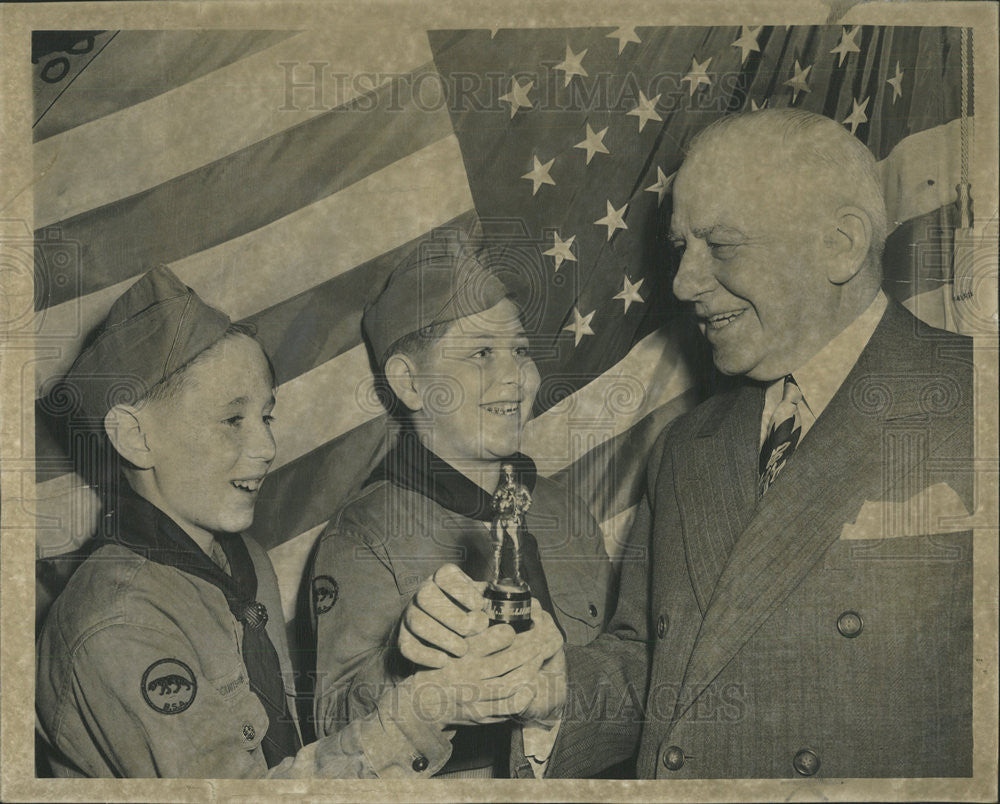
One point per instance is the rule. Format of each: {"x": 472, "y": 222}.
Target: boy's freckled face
{"x": 211, "y": 442}
{"x": 478, "y": 385}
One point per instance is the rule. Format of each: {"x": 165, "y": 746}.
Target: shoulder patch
{"x": 169, "y": 686}
{"x": 325, "y": 593}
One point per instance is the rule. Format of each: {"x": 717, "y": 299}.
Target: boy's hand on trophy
{"x": 447, "y": 608}
{"x": 492, "y": 682}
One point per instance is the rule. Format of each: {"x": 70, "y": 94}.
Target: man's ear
{"x": 401, "y": 374}
{"x": 123, "y": 424}
{"x": 848, "y": 244}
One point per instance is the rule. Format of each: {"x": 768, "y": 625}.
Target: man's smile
{"x": 719, "y": 321}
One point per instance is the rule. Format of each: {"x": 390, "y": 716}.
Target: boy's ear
{"x": 123, "y": 424}
{"x": 401, "y": 373}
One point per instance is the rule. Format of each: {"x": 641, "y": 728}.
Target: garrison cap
{"x": 154, "y": 328}
{"x": 445, "y": 278}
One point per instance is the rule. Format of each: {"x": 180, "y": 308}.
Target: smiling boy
{"x": 452, "y": 348}
{"x": 166, "y": 655}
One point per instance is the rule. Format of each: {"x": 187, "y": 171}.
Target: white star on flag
{"x": 518, "y": 96}
{"x": 580, "y": 325}
{"x": 896, "y": 82}
{"x": 662, "y": 185}
{"x": 645, "y": 111}
{"x": 630, "y": 293}
{"x": 847, "y": 44}
{"x": 561, "y": 249}
{"x": 594, "y": 143}
{"x": 624, "y": 35}
{"x": 747, "y": 43}
{"x": 614, "y": 219}
{"x": 857, "y": 115}
{"x": 539, "y": 174}
{"x": 697, "y": 76}
{"x": 572, "y": 65}
{"x": 798, "y": 81}
{"x": 755, "y": 108}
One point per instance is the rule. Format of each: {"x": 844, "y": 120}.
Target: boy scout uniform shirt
{"x": 386, "y": 540}
{"x": 140, "y": 674}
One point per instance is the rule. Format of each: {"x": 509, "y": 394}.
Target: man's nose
{"x": 694, "y": 277}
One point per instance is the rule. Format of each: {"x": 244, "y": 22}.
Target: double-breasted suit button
{"x": 850, "y": 624}
{"x": 592, "y": 610}
{"x": 419, "y": 763}
{"x": 662, "y": 624}
{"x": 673, "y": 758}
{"x": 806, "y": 762}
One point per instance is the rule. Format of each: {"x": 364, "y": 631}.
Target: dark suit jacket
{"x": 749, "y": 633}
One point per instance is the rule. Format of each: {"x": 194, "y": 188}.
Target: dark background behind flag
{"x": 285, "y": 192}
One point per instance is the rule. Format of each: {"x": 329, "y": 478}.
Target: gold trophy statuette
{"x": 508, "y": 596}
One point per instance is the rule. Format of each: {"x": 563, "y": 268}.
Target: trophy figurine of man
{"x": 508, "y": 596}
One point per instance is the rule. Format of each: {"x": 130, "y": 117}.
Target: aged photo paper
{"x": 284, "y": 161}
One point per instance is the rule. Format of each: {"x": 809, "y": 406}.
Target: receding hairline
{"x": 797, "y": 141}
{"x": 788, "y": 124}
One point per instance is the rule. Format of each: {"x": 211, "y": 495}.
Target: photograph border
{"x": 17, "y": 553}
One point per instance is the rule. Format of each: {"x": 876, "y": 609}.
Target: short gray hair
{"x": 822, "y": 143}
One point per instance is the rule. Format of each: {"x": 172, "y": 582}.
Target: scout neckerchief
{"x": 139, "y": 526}
{"x": 410, "y": 465}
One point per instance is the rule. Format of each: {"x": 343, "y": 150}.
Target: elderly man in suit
{"x": 803, "y": 606}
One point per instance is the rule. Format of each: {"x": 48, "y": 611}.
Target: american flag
{"x": 284, "y": 174}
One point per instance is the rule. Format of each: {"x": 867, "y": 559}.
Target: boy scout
{"x": 160, "y": 657}
{"x": 453, "y": 350}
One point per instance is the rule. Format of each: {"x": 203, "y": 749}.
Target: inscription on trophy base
{"x": 509, "y": 604}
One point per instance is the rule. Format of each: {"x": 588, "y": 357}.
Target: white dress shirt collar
{"x": 820, "y": 376}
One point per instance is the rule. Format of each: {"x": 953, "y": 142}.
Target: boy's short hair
{"x": 171, "y": 385}
{"x": 416, "y": 344}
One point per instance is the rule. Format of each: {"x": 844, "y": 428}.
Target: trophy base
{"x": 508, "y": 604}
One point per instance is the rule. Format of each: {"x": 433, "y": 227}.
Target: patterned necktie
{"x": 782, "y": 436}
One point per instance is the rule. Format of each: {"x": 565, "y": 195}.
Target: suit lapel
{"x": 716, "y": 486}
{"x": 822, "y": 487}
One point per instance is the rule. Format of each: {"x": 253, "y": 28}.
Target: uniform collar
{"x": 137, "y": 525}
{"x": 410, "y": 465}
